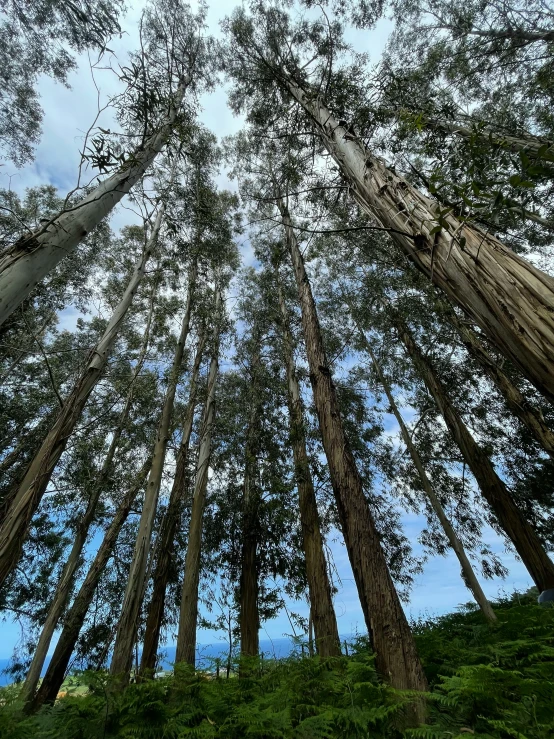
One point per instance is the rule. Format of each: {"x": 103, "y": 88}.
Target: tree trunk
{"x": 469, "y": 577}
{"x": 510, "y": 299}
{"x": 510, "y": 518}
{"x": 39, "y": 472}
{"x": 169, "y": 527}
{"x": 65, "y": 583}
{"x": 322, "y": 613}
{"x": 188, "y": 616}
{"x": 128, "y": 623}
{"x": 249, "y": 618}
{"x": 23, "y": 265}
{"x": 75, "y": 617}
{"x": 396, "y": 655}
{"x": 531, "y": 417}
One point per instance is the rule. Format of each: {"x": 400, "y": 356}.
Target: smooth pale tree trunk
{"x": 396, "y": 655}
{"x": 75, "y": 617}
{"x": 511, "y": 300}
{"x": 322, "y": 613}
{"x": 249, "y": 617}
{"x": 39, "y": 472}
{"x": 188, "y": 614}
{"x": 25, "y": 263}
{"x": 169, "y": 527}
{"x": 65, "y": 583}
{"x": 531, "y": 417}
{"x": 128, "y": 623}
{"x": 468, "y": 573}
{"x": 510, "y": 518}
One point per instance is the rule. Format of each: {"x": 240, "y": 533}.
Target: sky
{"x": 68, "y": 113}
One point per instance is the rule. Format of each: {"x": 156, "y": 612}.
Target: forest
{"x": 278, "y": 375}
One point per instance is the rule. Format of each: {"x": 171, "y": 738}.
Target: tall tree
{"x": 188, "y": 617}
{"x": 322, "y": 613}
{"x": 37, "y": 476}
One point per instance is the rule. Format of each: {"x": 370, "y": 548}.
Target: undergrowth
{"x": 492, "y": 682}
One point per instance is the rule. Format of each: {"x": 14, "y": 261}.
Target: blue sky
{"x": 68, "y": 114}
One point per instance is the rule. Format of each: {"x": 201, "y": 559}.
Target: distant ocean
{"x": 270, "y": 648}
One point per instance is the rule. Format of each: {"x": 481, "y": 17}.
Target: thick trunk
{"x": 39, "y": 472}
{"x": 531, "y": 417}
{"x": 510, "y": 518}
{"x": 65, "y": 583}
{"x": 396, "y": 655}
{"x": 510, "y": 299}
{"x": 128, "y": 623}
{"x": 169, "y": 527}
{"x": 468, "y": 573}
{"x": 23, "y": 265}
{"x": 75, "y": 617}
{"x": 188, "y": 616}
{"x": 322, "y": 614}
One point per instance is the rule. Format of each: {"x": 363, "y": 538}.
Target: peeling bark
{"x": 511, "y": 301}
{"x": 322, "y": 613}
{"x": 396, "y": 655}
{"x": 23, "y": 265}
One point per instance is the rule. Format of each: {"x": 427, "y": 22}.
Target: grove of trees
{"x": 222, "y": 410}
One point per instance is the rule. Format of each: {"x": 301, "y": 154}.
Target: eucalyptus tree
{"x": 188, "y": 615}
{"x": 34, "y": 484}
{"x": 36, "y": 38}
{"x": 503, "y": 293}
{"x": 178, "y": 63}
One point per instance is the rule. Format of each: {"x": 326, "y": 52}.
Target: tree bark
{"x": 322, "y": 614}
{"x": 39, "y": 472}
{"x": 396, "y": 655}
{"x": 531, "y": 417}
{"x": 128, "y": 623}
{"x": 65, "y": 583}
{"x": 75, "y": 617}
{"x": 249, "y": 618}
{"x": 511, "y": 300}
{"x": 169, "y": 528}
{"x": 469, "y": 577}
{"x": 23, "y": 265}
{"x": 510, "y": 518}
{"x": 188, "y": 616}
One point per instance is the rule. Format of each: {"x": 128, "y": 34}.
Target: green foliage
{"x": 493, "y": 682}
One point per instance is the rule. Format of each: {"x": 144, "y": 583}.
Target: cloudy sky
{"x": 68, "y": 113}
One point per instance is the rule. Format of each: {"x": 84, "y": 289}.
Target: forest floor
{"x": 493, "y": 682}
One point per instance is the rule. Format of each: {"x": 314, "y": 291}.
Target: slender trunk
{"x": 249, "y": 617}
{"x": 469, "y": 577}
{"x": 510, "y": 299}
{"x": 128, "y": 623}
{"x": 510, "y": 518}
{"x": 169, "y": 527}
{"x": 23, "y": 265}
{"x": 531, "y": 417}
{"x": 75, "y": 617}
{"x": 188, "y": 616}
{"x": 39, "y": 472}
{"x": 322, "y": 614}
{"x": 396, "y": 655}
{"x": 65, "y": 583}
